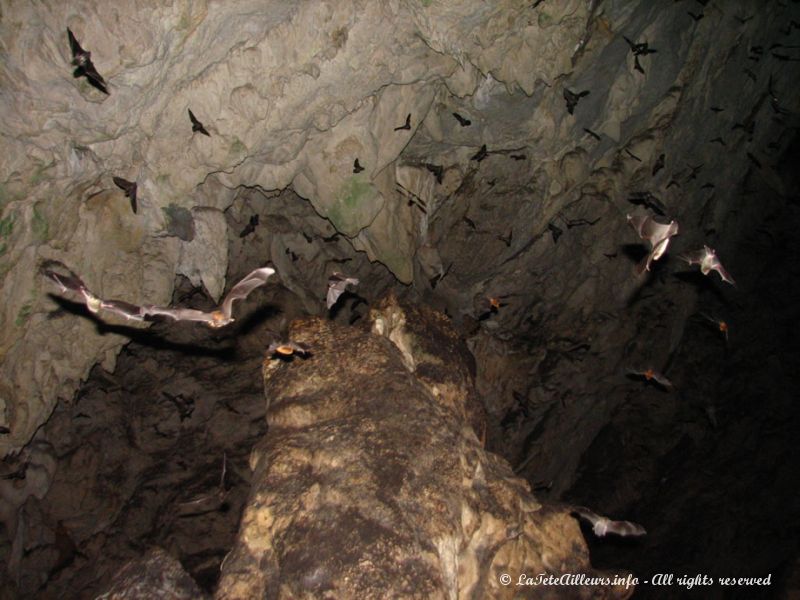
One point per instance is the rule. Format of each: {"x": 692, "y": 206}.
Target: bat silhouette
{"x": 217, "y": 318}
{"x": 572, "y": 99}
{"x": 647, "y": 199}
{"x": 518, "y": 156}
{"x": 197, "y": 125}
{"x": 357, "y": 168}
{"x": 555, "y": 231}
{"x": 82, "y": 60}
{"x": 480, "y": 154}
{"x": 659, "y": 164}
{"x": 461, "y": 120}
{"x": 694, "y": 16}
{"x": 708, "y": 261}
{"x": 651, "y": 374}
{"x": 658, "y": 234}
{"x": 489, "y": 305}
{"x": 507, "y": 238}
{"x": 437, "y": 170}
{"x": 129, "y": 187}
{"x": 250, "y": 227}
{"x": 640, "y": 49}
{"x": 469, "y": 222}
{"x": 719, "y": 324}
{"x": 603, "y": 525}
{"x": 718, "y": 140}
{"x": 716, "y": 109}
{"x": 288, "y": 349}
{"x": 434, "y": 281}
{"x": 337, "y": 285}
{"x": 592, "y": 133}
{"x": 407, "y": 124}
{"x": 637, "y": 65}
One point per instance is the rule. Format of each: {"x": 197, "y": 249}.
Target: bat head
{"x": 218, "y": 319}
{"x": 649, "y": 374}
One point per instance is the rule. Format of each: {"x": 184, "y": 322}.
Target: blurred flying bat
{"x": 637, "y": 65}
{"x": 716, "y": 109}
{"x": 337, "y": 285}
{"x": 469, "y": 222}
{"x": 197, "y": 125}
{"x": 555, "y": 231}
{"x": 659, "y": 164}
{"x": 708, "y": 261}
{"x": 184, "y": 405}
{"x": 603, "y": 525}
{"x": 341, "y": 261}
{"x": 489, "y": 305}
{"x": 639, "y": 49}
{"x": 4, "y": 430}
{"x": 407, "y": 124}
{"x": 506, "y": 239}
{"x": 673, "y": 182}
{"x": 288, "y": 349}
{"x": 592, "y": 133}
{"x": 129, "y": 187}
{"x": 517, "y": 156}
{"x": 648, "y": 200}
{"x": 434, "y": 281}
{"x": 461, "y": 120}
{"x": 480, "y": 154}
{"x": 652, "y": 375}
{"x": 82, "y": 60}
{"x": 694, "y": 16}
{"x": 331, "y": 238}
{"x": 217, "y": 318}
{"x": 572, "y": 99}
{"x": 695, "y": 171}
{"x": 437, "y": 170}
{"x": 291, "y": 254}
{"x": 250, "y": 227}
{"x": 753, "y": 160}
{"x": 707, "y": 186}
{"x": 719, "y": 324}
{"x": 658, "y": 234}
{"x": 491, "y": 182}
{"x": 357, "y": 168}
{"x": 742, "y": 20}
{"x": 717, "y": 140}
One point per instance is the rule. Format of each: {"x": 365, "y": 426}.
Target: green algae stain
{"x": 39, "y": 225}
{"x": 352, "y": 201}
{"x": 23, "y": 314}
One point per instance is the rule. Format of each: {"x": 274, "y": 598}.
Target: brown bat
{"x": 480, "y": 154}
{"x": 337, "y": 285}
{"x": 250, "y": 227}
{"x": 357, "y": 168}
{"x": 603, "y": 525}
{"x": 461, "y": 120}
{"x": 718, "y": 323}
{"x": 708, "y": 261}
{"x": 197, "y": 125}
{"x": 288, "y": 349}
{"x": 658, "y": 234}
{"x": 217, "y": 318}
{"x": 651, "y": 374}
{"x": 129, "y": 187}
{"x": 406, "y": 125}
{"x": 82, "y": 60}
{"x": 489, "y": 305}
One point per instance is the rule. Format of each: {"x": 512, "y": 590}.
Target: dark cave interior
{"x": 156, "y": 451}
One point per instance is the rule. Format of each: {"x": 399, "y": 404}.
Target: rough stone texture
{"x": 371, "y": 483}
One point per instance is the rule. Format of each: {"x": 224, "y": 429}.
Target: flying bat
{"x": 250, "y": 227}
{"x": 437, "y": 170}
{"x": 461, "y": 120}
{"x": 129, "y": 187}
{"x": 637, "y": 65}
{"x": 721, "y": 325}
{"x": 357, "y": 168}
{"x": 407, "y": 124}
{"x": 694, "y": 16}
{"x": 658, "y": 234}
{"x": 506, "y": 239}
{"x": 197, "y": 125}
{"x": 337, "y": 285}
{"x": 555, "y": 231}
{"x": 647, "y": 199}
{"x": 718, "y": 140}
{"x": 708, "y": 261}
{"x": 659, "y": 164}
{"x": 603, "y": 525}
{"x": 639, "y": 49}
{"x": 288, "y": 349}
{"x": 480, "y": 154}
{"x": 518, "y": 156}
{"x": 651, "y": 374}
{"x": 217, "y": 318}
{"x": 82, "y": 60}
{"x": 489, "y": 305}
{"x": 572, "y": 99}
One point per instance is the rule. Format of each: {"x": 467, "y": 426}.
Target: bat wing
{"x": 69, "y": 282}
{"x": 90, "y": 72}
{"x": 625, "y": 528}
{"x": 717, "y": 266}
{"x": 125, "y": 185}
{"x": 695, "y": 257}
{"x": 74, "y": 46}
{"x": 638, "y": 223}
{"x": 244, "y": 287}
{"x": 124, "y": 309}
{"x": 176, "y": 314}
{"x": 663, "y": 381}
{"x": 587, "y": 515}
{"x": 335, "y": 289}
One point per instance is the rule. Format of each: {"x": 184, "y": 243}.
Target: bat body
{"x": 658, "y": 234}
{"x": 197, "y": 125}
{"x": 489, "y": 305}
{"x": 129, "y": 187}
{"x": 337, "y": 285}
{"x": 648, "y": 200}
{"x": 480, "y": 154}
{"x": 639, "y": 49}
{"x": 708, "y": 261}
{"x": 603, "y": 525}
{"x": 357, "y": 168}
{"x": 406, "y": 125}
{"x": 250, "y": 227}
{"x": 653, "y": 375}
{"x": 288, "y": 349}
{"x": 82, "y": 60}
{"x": 572, "y": 99}
{"x": 718, "y": 324}
{"x": 461, "y": 120}
{"x": 217, "y": 318}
